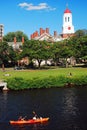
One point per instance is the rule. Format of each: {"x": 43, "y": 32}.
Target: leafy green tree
{"x": 75, "y": 47}
{"x": 36, "y": 50}
{"x": 56, "y": 52}
{"x": 78, "y": 45}
{"x": 4, "y": 54}
{"x": 80, "y": 33}
{"x": 83, "y": 45}
{"x": 66, "y": 53}
{"x": 12, "y": 56}
{"x": 9, "y": 37}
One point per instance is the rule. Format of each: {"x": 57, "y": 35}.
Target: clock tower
{"x": 67, "y": 28}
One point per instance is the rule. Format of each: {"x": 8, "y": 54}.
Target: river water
{"x": 66, "y": 108}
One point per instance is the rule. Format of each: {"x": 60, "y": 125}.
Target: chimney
{"x": 15, "y": 40}
{"x": 22, "y": 39}
{"x": 55, "y": 33}
{"x": 41, "y": 31}
{"x": 47, "y": 30}
{"x": 36, "y": 33}
{"x": 31, "y": 36}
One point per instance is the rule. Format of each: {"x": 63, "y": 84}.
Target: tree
{"x": 66, "y": 53}
{"x": 9, "y": 37}
{"x": 78, "y": 45}
{"x": 74, "y": 46}
{"x": 83, "y": 46}
{"x": 56, "y": 52}
{"x": 43, "y": 52}
{"x": 12, "y": 56}
{"x": 80, "y": 33}
{"x": 36, "y": 50}
{"x": 4, "y": 54}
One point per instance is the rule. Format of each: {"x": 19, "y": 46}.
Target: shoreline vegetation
{"x": 48, "y": 78}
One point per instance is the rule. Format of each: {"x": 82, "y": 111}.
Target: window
{"x": 65, "y": 19}
{"x": 68, "y": 19}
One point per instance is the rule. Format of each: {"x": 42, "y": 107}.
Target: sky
{"x": 31, "y": 15}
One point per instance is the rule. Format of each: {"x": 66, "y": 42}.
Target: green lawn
{"x": 28, "y": 79}
{"x": 30, "y": 74}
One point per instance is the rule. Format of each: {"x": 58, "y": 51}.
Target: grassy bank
{"x": 59, "y": 77}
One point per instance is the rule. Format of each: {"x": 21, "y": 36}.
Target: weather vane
{"x": 67, "y": 5}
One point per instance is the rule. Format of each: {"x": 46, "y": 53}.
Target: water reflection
{"x": 39, "y": 126}
{"x": 5, "y": 95}
{"x": 19, "y": 127}
{"x": 70, "y": 109}
{"x": 70, "y": 102}
{"x": 3, "y": 105}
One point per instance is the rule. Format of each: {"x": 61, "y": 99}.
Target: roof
{"x": 12, "y": 43}
{"x": 44, "y": 36}
{"x": 67, "y": 11}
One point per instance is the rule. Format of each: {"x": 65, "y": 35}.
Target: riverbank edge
{"x": 50, "y": 82}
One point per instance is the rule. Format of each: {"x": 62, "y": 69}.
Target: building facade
{"x": 1, "y": 32}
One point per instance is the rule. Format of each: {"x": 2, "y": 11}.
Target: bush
{"x": 61, "y": 81}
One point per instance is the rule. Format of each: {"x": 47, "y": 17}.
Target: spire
{"x": 66, "y": 5}
{"x": 67, "y": 10}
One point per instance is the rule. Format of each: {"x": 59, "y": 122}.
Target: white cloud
{"x": 41, "y": 6}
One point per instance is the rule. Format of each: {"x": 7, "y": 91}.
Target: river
{"x": 66, "y": 108}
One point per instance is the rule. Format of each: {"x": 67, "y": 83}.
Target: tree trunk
{"x": 3, "y": 67}
{"x": 39, "y": 62}
{"x": 66, "y": 64}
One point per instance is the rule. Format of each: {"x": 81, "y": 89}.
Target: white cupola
{"x": 67, "y": 27}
